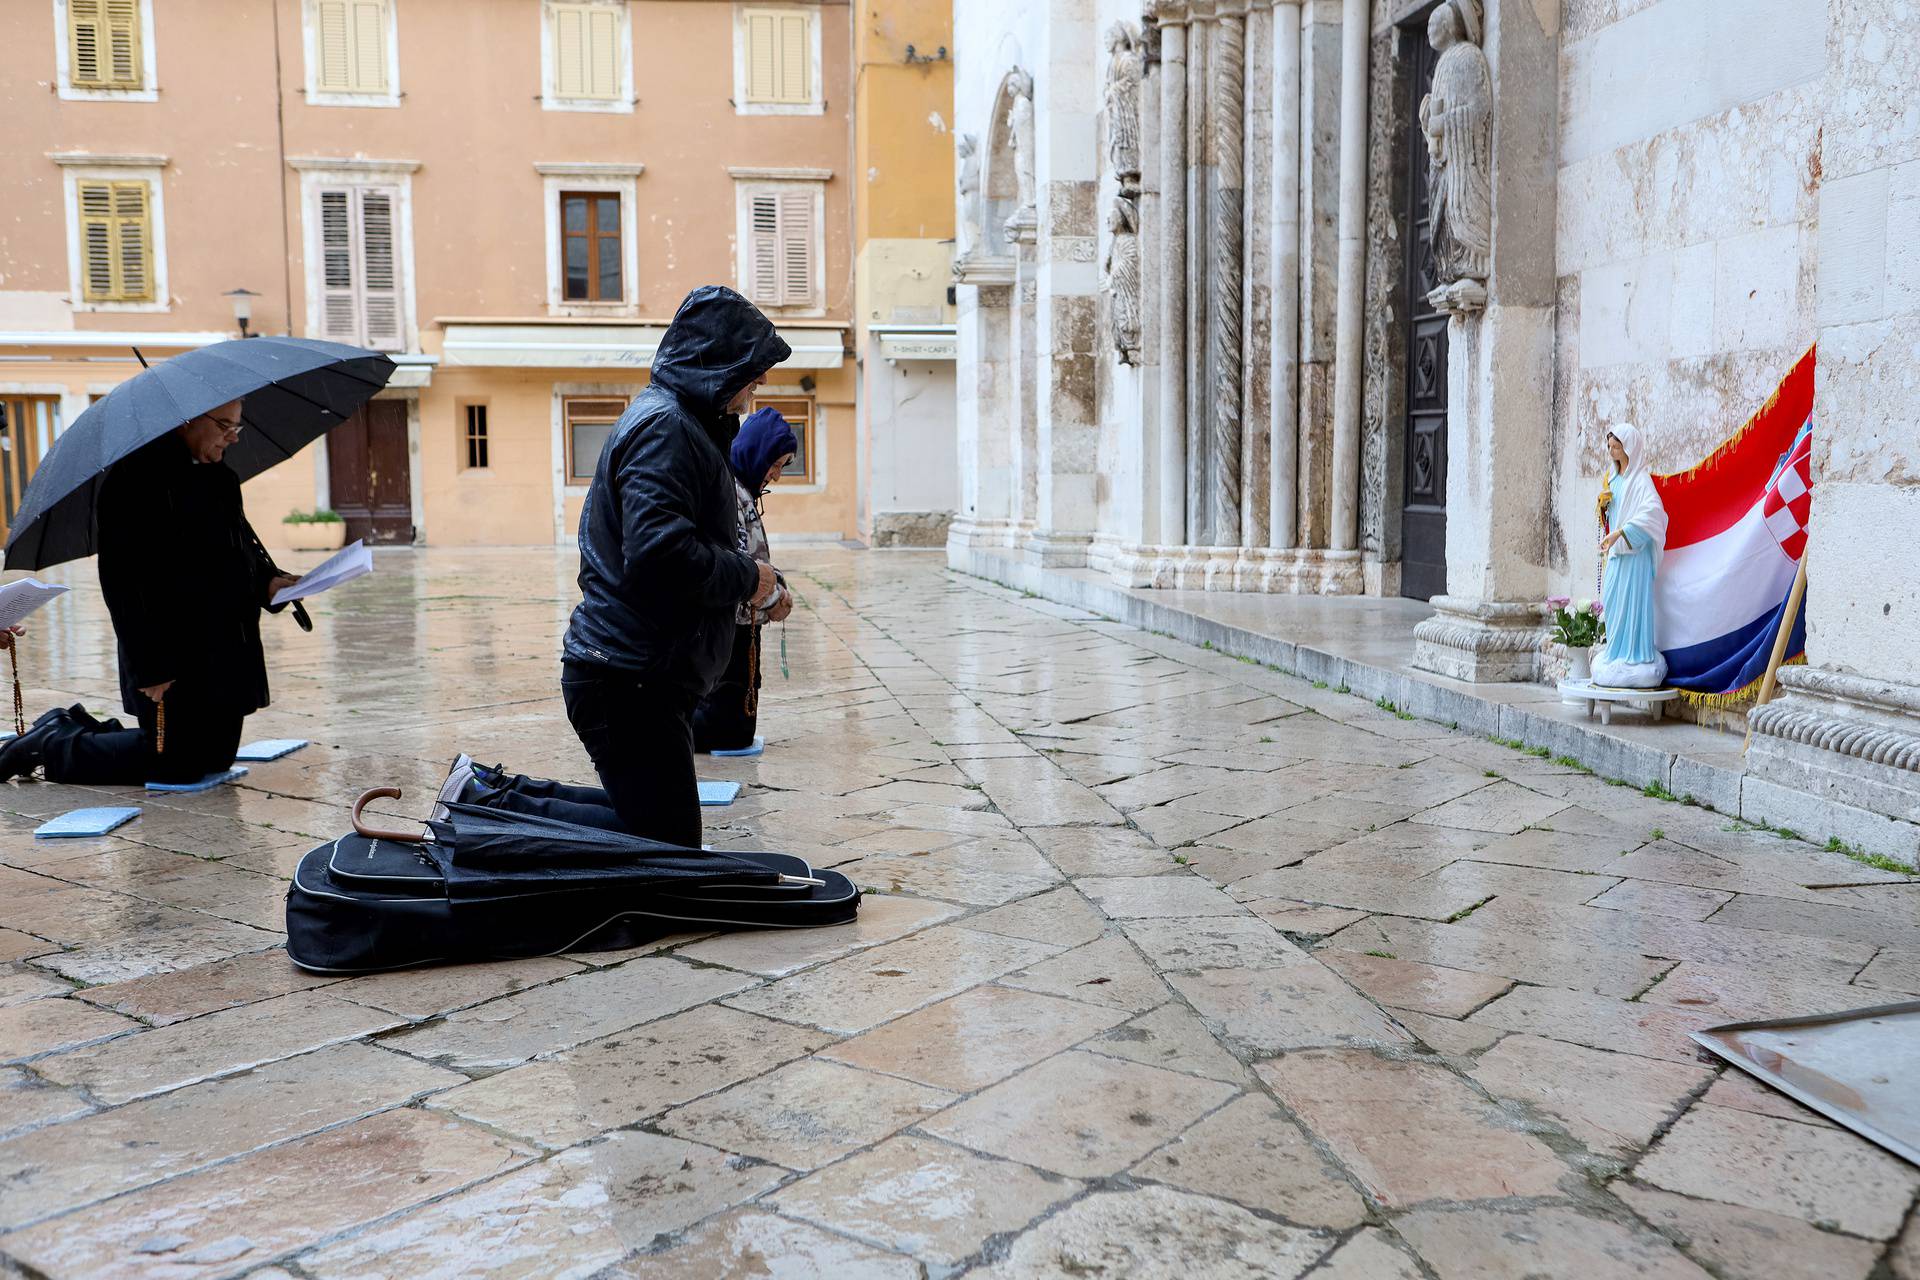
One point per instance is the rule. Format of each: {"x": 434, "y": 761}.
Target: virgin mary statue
{"x": 1630, "y": 552}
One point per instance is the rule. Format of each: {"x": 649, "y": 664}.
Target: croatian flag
{"x": 1737, "y": 527}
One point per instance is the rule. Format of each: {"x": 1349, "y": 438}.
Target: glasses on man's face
{"x": 231, "y": 430}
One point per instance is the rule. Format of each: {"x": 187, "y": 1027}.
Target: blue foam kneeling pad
{"x": 85, "y": 822}
{"x": 719, "y": 793}
{"x": 207, "y": 783}
{"x": 269, "y": 749}
{"x": 759, "y": 745}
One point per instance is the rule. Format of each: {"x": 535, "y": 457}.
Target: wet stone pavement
{"x": 1173, "y": 966}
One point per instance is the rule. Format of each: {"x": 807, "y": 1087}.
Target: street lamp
{"x": 242, "y": 307}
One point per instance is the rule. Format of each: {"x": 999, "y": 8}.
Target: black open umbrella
{"x": 296, "y": 390}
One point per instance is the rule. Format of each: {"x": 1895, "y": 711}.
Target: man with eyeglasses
{"x": 185, "y": 579}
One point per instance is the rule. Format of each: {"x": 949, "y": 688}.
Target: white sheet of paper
{"x": 18, "y": 599}
{"x": 344, "y": 566}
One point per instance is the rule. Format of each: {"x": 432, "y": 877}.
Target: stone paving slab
{"x": 1184, "y": 967}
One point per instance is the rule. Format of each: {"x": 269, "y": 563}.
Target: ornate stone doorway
{"x": 1423, "y": 571}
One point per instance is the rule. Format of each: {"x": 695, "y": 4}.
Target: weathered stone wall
{"x": 1865, "y": 612}
{"x": 1689, "y": 169}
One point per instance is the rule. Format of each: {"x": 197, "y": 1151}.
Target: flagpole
{"x": 1787, "y": 616}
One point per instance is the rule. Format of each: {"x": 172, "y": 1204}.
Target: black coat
{"x": 184, "y": 577}
{"x": 661, "y": 570}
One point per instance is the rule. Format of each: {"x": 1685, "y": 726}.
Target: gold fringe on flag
{"x": 1735, "y": 698}
{"x": 1712, "y": 461}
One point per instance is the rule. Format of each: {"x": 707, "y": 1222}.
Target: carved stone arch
{"x": 999, "y": 194}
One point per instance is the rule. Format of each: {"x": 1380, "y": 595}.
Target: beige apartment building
{"x": 511, "y": 196}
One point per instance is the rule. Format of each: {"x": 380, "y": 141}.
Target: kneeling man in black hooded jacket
{"x": 661, "y": 569}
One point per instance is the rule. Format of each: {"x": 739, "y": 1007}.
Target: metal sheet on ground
{"x": 1856, "y": 1067}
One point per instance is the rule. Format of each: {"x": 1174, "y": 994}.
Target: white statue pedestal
{"x": 1604, "y": 698}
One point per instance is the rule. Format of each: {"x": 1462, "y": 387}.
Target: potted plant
{"x": 1577, "y": 627}
{"x": 321, "y": 530}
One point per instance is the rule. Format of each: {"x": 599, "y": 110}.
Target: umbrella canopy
{"x": 296, "y": 390}
{"x": 482, "y": 852}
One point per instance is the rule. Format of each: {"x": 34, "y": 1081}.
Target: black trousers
{"x": 640, "y": 738}
{"x": 203, "y": 732}
{"x": 726, "y": 718}
{"x": 565, "y": 801}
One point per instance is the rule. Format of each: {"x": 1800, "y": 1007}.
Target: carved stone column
{"x": 1284, "y": 277}
{"x": 1344, "y": 506}
{"x": 1199, "y": 150}
{"x": 1500, "y": 358}
{"x": 1226, "y": 284}
{"x": 1256, "y": 436}
{"x": 1168, "y": 249}
{"x": 1319, "y": 208}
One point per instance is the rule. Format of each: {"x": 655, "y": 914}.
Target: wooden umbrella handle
{"x": 382, "y": 833}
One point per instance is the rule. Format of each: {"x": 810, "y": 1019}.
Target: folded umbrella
{"x": 295, "y": 389}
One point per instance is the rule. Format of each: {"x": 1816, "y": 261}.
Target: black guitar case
{"x": 361, "y": 904}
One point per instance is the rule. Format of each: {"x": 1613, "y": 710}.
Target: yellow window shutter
{"x": 86, "y": 23}
{"x": 369, "y": 46}
{"x": 123, "y": 43}
{"x": 103, "y": 44}
{"x": 97, "y": 274}
{"x": 116, "y": 241}
{"x": 796, "y": 52}
{"x": 134, "y": 223}
{"x": 763, "y": 249}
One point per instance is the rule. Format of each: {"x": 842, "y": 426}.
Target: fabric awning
{"x": 561, "y": 346}
{"x": 915, "y": 341}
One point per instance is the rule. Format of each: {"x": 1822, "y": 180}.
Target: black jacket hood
{"x": 717, "y": 344}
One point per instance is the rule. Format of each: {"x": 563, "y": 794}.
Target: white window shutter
{"x": 603, "y": 53}
{"x": 795, "y": 54}
{"x": 796, "y": 248}
{"x": 569, "y": 52}
{"x": 763, "y": 249}
{"x": 380, "y": 274}
{"x": 333, "y": 46}
{"x": 369, "y": 46}
{"x": 762, "y": 65}
{"x": 339, "y": 282}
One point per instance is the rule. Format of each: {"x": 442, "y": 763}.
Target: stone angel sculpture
{"x": 1636, "y": 522}
{"x": 1123, "y": 277}
{"x": 1020, "y": 122}
{"x": 1124, "y": 68}
{"x": 967, "y": 189}
{"x": 1457, "y": 119}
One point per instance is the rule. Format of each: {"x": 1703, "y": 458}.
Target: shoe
{"x": 24, "y": 754}
{"x": 454, "y": 789}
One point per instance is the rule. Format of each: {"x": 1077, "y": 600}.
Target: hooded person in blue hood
{"x": 726, "y": 718}
{"x": 663, "y": 575}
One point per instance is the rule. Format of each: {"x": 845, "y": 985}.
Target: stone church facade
{"x": 1339, "y": 296}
